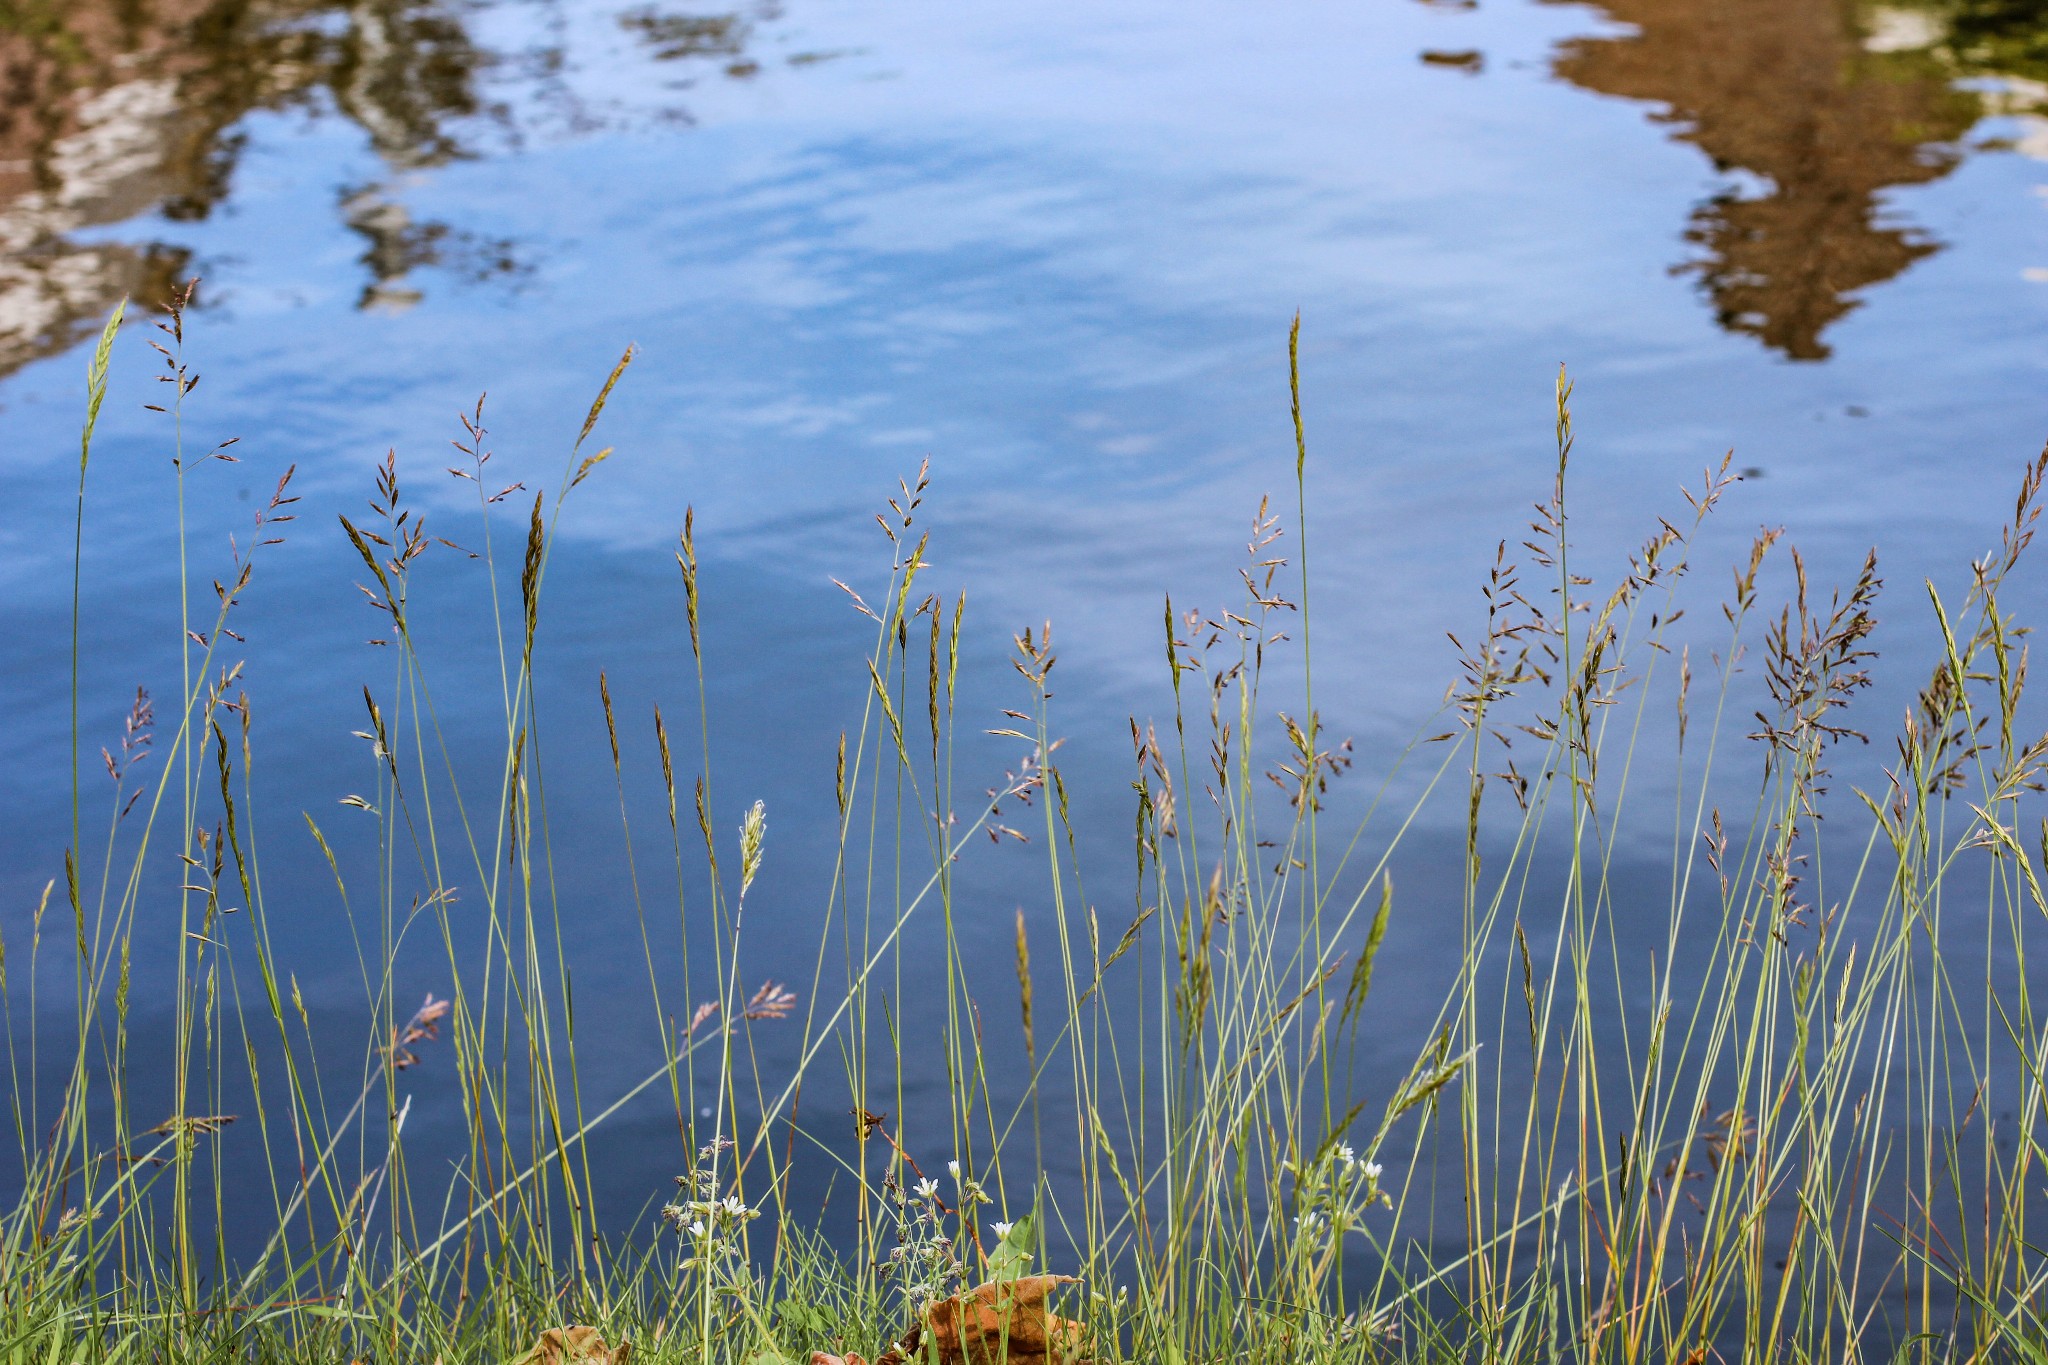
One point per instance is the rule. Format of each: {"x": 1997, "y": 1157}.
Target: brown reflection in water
{"x": 1792, "y": 91}
{"x": 113, "y": 109}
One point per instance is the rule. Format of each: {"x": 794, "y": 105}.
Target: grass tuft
{"x": 1795, "y": 1110}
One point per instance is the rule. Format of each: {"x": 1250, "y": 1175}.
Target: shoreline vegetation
{"x": 1806, "y": 1124}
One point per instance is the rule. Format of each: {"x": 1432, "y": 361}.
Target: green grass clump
{"x": 1795, "y": 1111}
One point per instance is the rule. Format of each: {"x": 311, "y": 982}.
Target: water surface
{"x": 1053, "y": 248}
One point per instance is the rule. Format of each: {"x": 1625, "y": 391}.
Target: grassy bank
{"x": 1793, "y": 1110}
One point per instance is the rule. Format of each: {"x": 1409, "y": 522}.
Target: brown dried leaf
{"x": 575, "y": 1346}
{"x": 1003, "y": 1320}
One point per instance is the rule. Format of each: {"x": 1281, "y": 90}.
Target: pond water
{"x": 1054, "y": 248}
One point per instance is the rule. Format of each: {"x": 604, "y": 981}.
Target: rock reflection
{"x": 115, "y": 109}
{"x": 105, "y": 164}
{"x": 396, "y": 245}
{"x": 110, "y": 109}
{"x": 1829, "y": 105}
{"x": 671, "y": 36}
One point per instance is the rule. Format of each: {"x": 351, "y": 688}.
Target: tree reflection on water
{"x": 116, "y": 110}
{"x": 111, "y": 110}
{"x": 1830, "y": 104}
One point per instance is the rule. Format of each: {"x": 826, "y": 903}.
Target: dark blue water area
{"x": 1056, "y": 253}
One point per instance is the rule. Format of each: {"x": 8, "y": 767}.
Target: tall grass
{"x": 1792, "y": 1110}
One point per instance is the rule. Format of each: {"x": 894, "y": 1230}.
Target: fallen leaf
{"x": 575, "y": 1346}
{"x": 1002, "y": 1320}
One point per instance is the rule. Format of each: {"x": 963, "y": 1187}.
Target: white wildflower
{"x": 1373, "y": 1169}
{"x": 1003, "y": 1229}
{"x": 1346, "y": 1155}
{"x": 735, "y": 1207}
{"x": 927, "y": 1189}
{"x": 953, "y": 1169}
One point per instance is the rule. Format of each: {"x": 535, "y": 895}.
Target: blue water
{"x": 1055, "y": 249}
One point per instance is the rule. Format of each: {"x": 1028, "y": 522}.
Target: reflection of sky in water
{"x": 1057, "y": 250}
